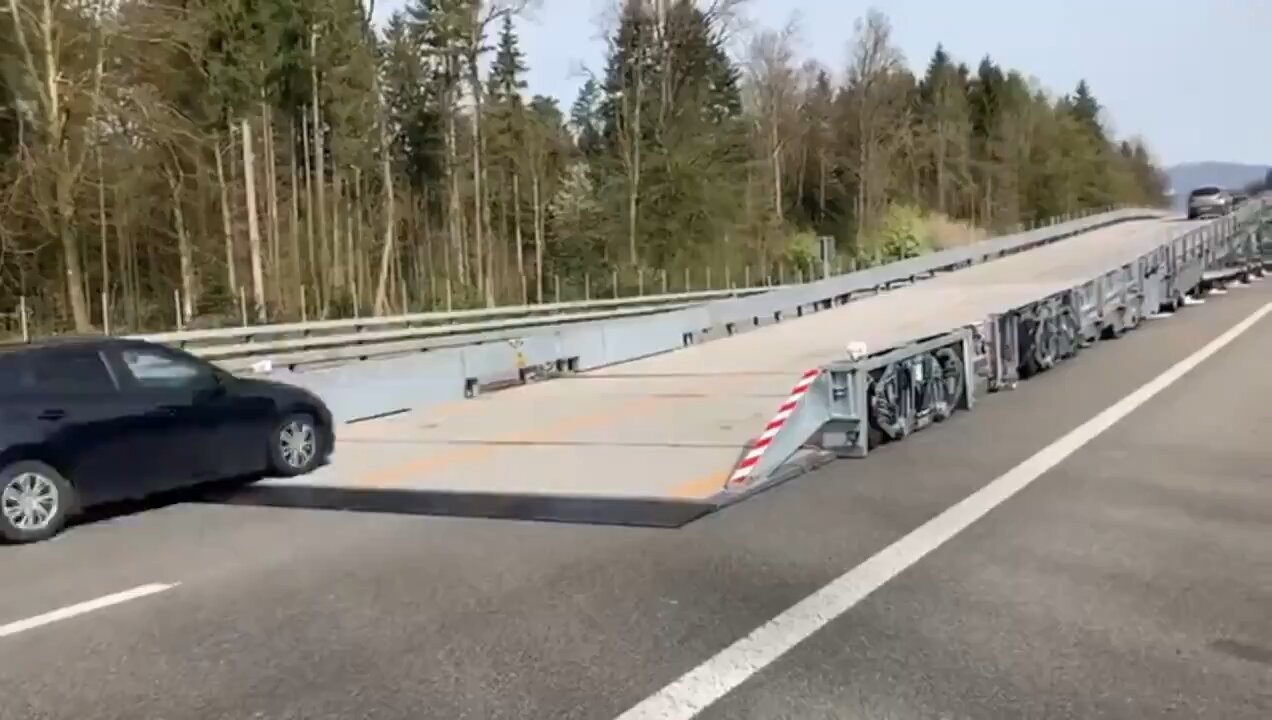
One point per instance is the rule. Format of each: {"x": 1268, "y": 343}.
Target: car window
{"x": 68, "y": 372}
{"x": 1204, "y": 191}
{"x": 152, "y": 368}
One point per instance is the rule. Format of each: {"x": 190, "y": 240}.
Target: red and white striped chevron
{"x": 752, "y": 458}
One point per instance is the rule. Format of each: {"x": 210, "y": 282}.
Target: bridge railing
{"x": 338, "y": 341}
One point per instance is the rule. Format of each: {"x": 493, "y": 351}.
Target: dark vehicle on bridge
{"x": 96, "y": 420}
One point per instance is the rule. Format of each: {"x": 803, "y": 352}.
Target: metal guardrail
{"x": 191, "y": 339}
{"x": 320, "y": 349}
{"x": 335, "y": 341}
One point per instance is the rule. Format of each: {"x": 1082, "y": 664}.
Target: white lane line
{"x": 697, "y": 689}
{"x": 88, "y": 606}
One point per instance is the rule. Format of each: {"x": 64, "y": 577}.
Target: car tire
{"x": 35, "y": 502}
{"x": 295, "y": 445}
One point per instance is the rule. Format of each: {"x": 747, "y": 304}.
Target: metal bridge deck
{"x": 652, "y": 441}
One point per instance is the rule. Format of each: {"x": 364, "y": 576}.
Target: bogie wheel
{"x": 35, "y": 501}
{"x": 295, "y": 445}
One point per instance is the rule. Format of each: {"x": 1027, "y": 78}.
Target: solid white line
{"x": 699, "y": 688}
{"x": 88, "y": 606}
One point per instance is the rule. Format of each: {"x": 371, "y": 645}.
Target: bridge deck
{"x": 667, "y": 428}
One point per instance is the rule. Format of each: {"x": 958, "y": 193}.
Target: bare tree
{"x": 772, "y": 93}
{"x": 878, "y": 112}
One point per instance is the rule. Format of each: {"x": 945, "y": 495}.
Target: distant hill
{"x": 1232, "y": 176}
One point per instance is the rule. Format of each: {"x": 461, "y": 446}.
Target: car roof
{"x": 88, "y": 342}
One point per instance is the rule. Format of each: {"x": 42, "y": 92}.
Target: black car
{"x": 89, "y": 421}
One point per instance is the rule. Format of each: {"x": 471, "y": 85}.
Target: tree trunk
{"x": 386, "y": 253}
{"x": 479, "y": 218}
{"x": 516, "y": 233}
{"x": 227, "y": 223}
{"x": 821, "y": 184}
{"x": 253, "y": 222}
{"x": 319, "y": 177}
{"x": 454, "y": 211}
{"x": 271, "y": 203}
{"x": 538, "y": 237}
{"x": 102, "y": 237}
{"x": 354, "y": 234}
{"x": 298, "y": 277}
{"x": 183, "y": 247}
{"x": 633, "y": 191}
{"x": 335, "y": 255}
{"x": 315, "y": 276}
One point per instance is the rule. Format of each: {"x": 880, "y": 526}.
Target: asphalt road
{"x": 1133, "y": 580}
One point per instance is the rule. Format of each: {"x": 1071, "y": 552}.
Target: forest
{"x": 195, "y": 163}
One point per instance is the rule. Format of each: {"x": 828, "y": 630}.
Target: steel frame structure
{"x": 860, "y": 403}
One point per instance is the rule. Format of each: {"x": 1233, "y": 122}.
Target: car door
{"x": 99, "y": 437}
{"x": 220, "y": 424}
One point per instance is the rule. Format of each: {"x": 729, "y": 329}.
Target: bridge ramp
{"x": 652, "y": 441}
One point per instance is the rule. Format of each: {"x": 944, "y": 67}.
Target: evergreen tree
{"x": 585, "y": 118}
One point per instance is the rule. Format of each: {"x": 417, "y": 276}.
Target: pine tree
{"x": 507, "y": 70}
{"x": 585, "y": 119}
{"x": 1086, "y": 110}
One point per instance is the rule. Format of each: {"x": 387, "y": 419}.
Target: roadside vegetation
{"x": 215, "y": 161}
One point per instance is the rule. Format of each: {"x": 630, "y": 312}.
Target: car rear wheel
{"x": 34, "y": 502}
{"x": 295, "y": 445}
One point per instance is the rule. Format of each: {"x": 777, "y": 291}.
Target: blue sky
{"x": 1190, "y": 76}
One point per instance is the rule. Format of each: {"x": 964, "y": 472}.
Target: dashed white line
{"x": 88, "y": 606}
{"x": 697, "y": 689}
